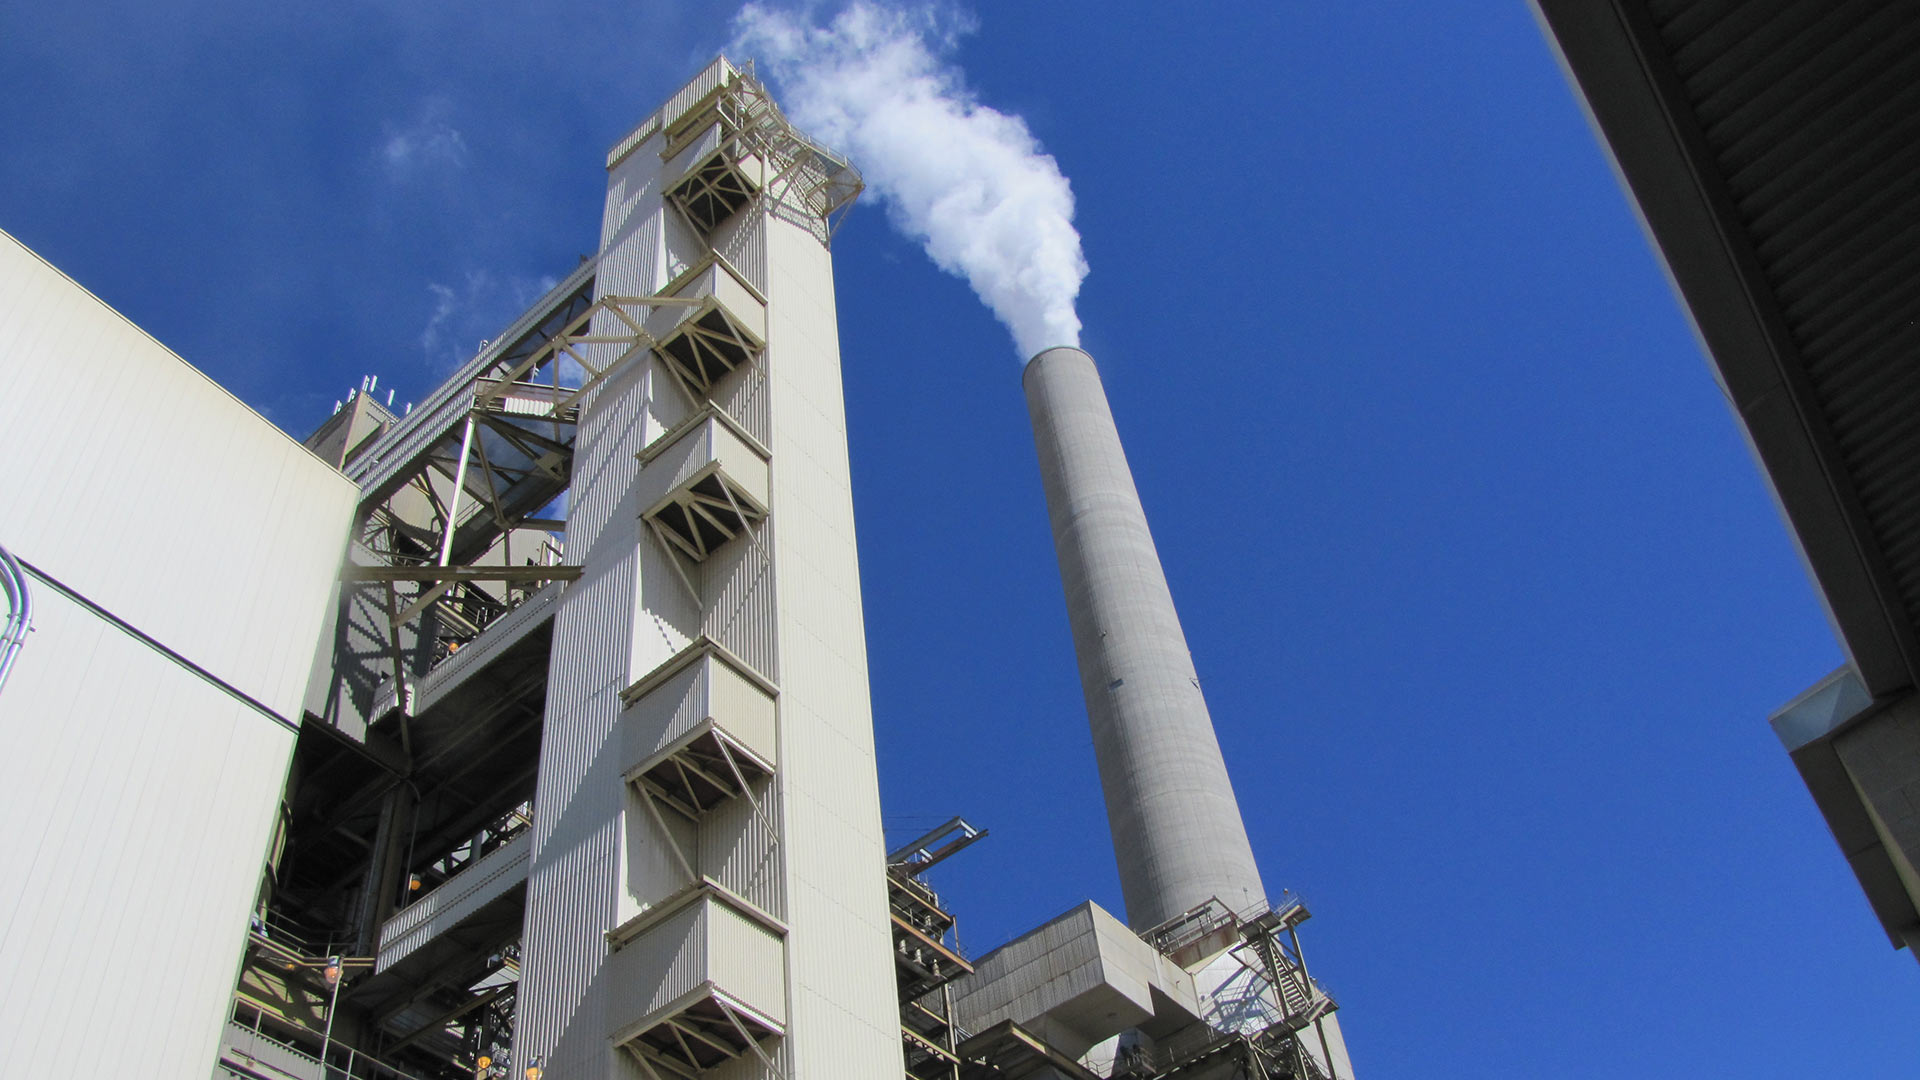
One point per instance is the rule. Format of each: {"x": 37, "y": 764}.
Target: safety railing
{"x": 291, "y": 1049}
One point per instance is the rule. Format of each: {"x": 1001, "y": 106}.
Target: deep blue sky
{"x": 1488, "y": 598}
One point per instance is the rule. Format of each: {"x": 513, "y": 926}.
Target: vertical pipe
{"x": 459, "y": 488}
{"x": 338, "y": 972}
{"x": 19, "y": 612}
{"x": 1177, "y": 832}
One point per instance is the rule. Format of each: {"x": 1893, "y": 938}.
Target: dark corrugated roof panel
{"x": 1812, "y": 111}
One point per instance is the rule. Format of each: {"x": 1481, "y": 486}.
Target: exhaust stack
{"x": 1177, "y": 832}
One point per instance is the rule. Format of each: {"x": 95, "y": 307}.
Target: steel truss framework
{"x": 510, "y": 453}
{"x": 710, "y": 1031}
{"x": 694, "y": 777}
{"x": 1268, "y": 947}
{"x": 761, "y": 153}
{"x": 926, "y": 952}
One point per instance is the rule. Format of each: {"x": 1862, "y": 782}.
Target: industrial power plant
{"x": 541, "y": 737}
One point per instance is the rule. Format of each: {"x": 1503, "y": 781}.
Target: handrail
{"x": 19, "y": 612}
{"x": 358, "y": 1064}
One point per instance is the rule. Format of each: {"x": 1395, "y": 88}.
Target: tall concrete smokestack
{"x": 1176, "y": 826}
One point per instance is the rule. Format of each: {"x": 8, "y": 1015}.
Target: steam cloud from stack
{"x": 969, "y": 182}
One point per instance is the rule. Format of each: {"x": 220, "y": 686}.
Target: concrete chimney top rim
{"x": 1034, "y": 360}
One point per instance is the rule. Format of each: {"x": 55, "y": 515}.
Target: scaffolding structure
{"x": 1264, "y": 1013}
{"x": 926, "y": 949}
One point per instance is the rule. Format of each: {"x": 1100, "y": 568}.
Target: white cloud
{"x": 969, "y": 182}
{"x": 471, "y": 311}
{"x": 429, "y": 142}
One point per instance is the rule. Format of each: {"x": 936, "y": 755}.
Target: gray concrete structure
{"x": 1176, "y": 826}
{"x": 1076, "y": 981}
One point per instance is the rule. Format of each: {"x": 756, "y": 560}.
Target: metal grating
{"x": 1811, "y": 110}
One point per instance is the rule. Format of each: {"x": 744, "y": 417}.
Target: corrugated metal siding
{"x": 738, "y": 584}
{"x": 737, "y": 850}
{"x": 670, "y": 615}
{"x": 667, "y": 712}
{"x": 685, "y": 246}
{"x": 632, "y": 251}
{"x": 730, "y": 843}
{"x": 1812, "y": 111}
{"x": 138, "y": 462}
{"x": 741, "y": 239}
{"x": 138, "y": 799}
{"x": 597, "y": 860}
{"x": 138, "y": 793}
{"x": 744, "y": 397}
{"x": 716, "y": 75}
{"x": 574, "y": 888}
{"x": 845, "y": 1018}
{"x": 669, "y": 960}
{"x": 465, "y": 893}
{"x": 650, "y": 873}
{"x": 746, "y": 959}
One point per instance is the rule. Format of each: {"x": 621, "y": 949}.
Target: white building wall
{"x": 146, "y": 727}
{"x": 840, "y": 965}
{"x": 139, "y": 799}
{"x": 146, "y": 487}
{"x": 787, "y": 603}
{"x": 581, "y": 801}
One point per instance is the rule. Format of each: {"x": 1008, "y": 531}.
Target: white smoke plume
{"x": 969, "y": 182}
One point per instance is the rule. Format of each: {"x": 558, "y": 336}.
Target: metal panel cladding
{"x": 181, "y": 550}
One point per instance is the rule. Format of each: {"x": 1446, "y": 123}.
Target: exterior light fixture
{"x": 413, "y": 882}
{"x": 332, "y": 972}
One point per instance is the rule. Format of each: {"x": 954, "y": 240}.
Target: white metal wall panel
{"x": 788, "y": 601}
{"x": 694, "y": 149}
{"x": 706, "y": 688}
{"x": 709, "y": 80}
{"x": 594, "y": 857}
{"x": 845, "y": 1018}
{"x": 743, "y": 395}
{"x": 705, "y": 443}
{"x": 665, "y": 962}
{"x": 705, "y": 942}
{"x": 741, "y": 240}
{"x": 139, "y": 798}
{"x": 737, "y": 850}
{"x": 684, "y": 244}
{"x": 651, "y": 873}
{"x": 737, "y": 585}
{"x": 731, "y": 844}
{"x": 717, "y": 281}
{"x": 138, "y": 460}
{"x": 746, "y": 960}
{"x": 139, "y": 793}
{"x": 667, "y": 711}
{"x": 581, "y": 806}
{"x": 745, "y": 709}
